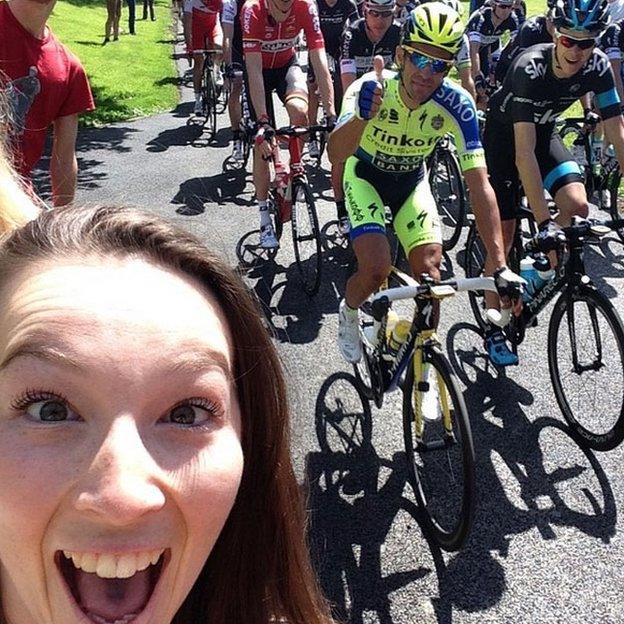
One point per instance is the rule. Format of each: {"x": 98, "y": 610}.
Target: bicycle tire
{"x": 449, "y": 535}
{"x": 451, "y": 202}
{"x": 598, "y": 404}
{"x": 570, "y": 132}
{"x": 308, "y": 265}
{"x": 474, "y": 264}
{"x": 209, "y": 98}
{"x": 616, "y": 203}
{"x": 273, "y": 206}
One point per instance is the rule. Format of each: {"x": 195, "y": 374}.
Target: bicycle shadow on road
{"x": 350, "y": 512}
{"x": 222, "y": 189}
{"x": 605, "y": 261}
{"x": 532, "y": 475}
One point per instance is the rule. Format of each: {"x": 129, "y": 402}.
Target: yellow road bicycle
{"x": 438, "y": 441}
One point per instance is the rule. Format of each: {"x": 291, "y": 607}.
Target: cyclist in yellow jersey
{"x": 389, "y": 123}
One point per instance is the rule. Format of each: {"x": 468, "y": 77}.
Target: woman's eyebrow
{"x": 188, "y": 361}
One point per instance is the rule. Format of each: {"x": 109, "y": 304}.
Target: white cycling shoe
{"x": 349, "y": 341}
{"x": 268, "y": 240}
{"x": 430, "y": 408}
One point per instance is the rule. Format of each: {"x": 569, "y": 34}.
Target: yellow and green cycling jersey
{"x": 387, "y": 168}
{"x": 398, "y": 139}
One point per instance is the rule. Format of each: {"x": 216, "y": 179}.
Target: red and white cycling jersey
{"x": 205, "y": 6}
{"x": 276, "y": 40}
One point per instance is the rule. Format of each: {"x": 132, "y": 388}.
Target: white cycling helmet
{"x": 380, "y": 5}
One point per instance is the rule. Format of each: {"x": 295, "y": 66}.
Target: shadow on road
{"x": 223, "y": 189}
{"x": 350, "y": 512}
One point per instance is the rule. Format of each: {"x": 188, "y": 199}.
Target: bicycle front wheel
{"x": 440, "y": 453}
{"x": 586, "y": 362}
{"x": 306, "y": 237}
{"x": 447, "y": 187}
{"x": 210, "y": 99}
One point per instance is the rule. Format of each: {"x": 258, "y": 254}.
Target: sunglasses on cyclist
{"x": 570, "y": 42}
{"x": 502, "y": 5}
{"x": 381, "y": 14}
{"x": 422, "y": 61}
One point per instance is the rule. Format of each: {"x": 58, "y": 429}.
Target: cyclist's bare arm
{"x": 614, "y": 129}
{"x": 228, "y": 35}
{"x": 475, "y": 61}
{"x": 253, "y": 65}
{"x": 347, "y": 79}
{"x": 63, "y": 163}
{"x": 483, "y": 202}
{"x": 465, "y": 77}
{"x": 528, "y": 168}
{"x": 616, "y": 66}
{"x": 318, "y": 58}
{"x": 344, "y": 140}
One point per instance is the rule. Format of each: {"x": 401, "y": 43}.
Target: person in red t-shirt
{"x": 46, "y": 86}
{"x": 270, "y": 29}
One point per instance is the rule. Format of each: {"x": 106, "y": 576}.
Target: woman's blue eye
{"x": 189, "y": 414}
{"x": 50, "y": 410}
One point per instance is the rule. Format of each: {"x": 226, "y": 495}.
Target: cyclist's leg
{"x": 293, "y": 92}
{"x": 198, "y": 45}
{"x": 417, "y": 226}
{"x": 368, "y": 236}
{"x": 563, "y": 180}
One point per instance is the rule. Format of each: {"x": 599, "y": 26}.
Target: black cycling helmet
{"x": 582, "y": 15}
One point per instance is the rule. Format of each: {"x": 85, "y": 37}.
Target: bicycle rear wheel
{"x": 209, "y": 98}
{"x": 586, "y": 363}
{"x": 440, "y": 454}
{"x": 448, "y": 190}
{"x": 306, "y": 237}
{"x": 616, "y": 203}
{"x": 474, "y": 266}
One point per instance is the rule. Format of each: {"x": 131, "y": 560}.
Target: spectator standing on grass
{"x": 113, "y": 7}
{"x": 131, "y": 16}
{"x": 46, "y": 86}
{"x": 148, "y": 4}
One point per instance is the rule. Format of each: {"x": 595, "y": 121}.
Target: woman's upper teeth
{"x": 114, "y": 566}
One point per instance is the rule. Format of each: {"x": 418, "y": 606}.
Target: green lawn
{"x": 132, "y": 77}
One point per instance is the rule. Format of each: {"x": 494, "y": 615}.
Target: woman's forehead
{"x": 127, "y": 302}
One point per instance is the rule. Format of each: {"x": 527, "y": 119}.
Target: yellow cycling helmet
{"x": 435, "y": 24}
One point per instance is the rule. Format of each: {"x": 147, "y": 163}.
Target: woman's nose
{"x": 120, "y": 486}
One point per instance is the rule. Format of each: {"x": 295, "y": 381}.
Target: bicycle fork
{"x": 597, "y": 363}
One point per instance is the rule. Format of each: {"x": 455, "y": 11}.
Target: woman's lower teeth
{"x": 124, "y": 620}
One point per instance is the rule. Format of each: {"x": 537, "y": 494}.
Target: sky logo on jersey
{"x": 597, "y": 63}
{"x": 535, "y": 70}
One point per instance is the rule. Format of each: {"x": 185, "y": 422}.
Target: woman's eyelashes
{"x": 44, "y": 406}
{"x": 196, "y": 412}
{"x": 52, "y": 407}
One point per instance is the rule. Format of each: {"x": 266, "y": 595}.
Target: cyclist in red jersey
{"x": 270, "y": 29}
{"x": 204, "y": 26}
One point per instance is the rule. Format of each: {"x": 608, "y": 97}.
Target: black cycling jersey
{"x": 531, "y": 92}
{"x": 333, "y": 21}
{"x": 532, "y": 32}
{"x": 403, "y": 10}
{"x": 612, "y": 43}
{"x": 481, "y": 30}
{"x": 358, "y": 50}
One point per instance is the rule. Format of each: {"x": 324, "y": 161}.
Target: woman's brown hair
{"x": 259, "y": 570}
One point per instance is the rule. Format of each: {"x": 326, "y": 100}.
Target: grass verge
{"x": 132, "y": 77}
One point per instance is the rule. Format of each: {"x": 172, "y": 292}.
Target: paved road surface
{"x": 547, "y": 544}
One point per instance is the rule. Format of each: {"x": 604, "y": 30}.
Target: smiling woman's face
{"x": 120, "y": 454}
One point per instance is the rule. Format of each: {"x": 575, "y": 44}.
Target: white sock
{"x": 197, "y": 96}
{"x": 265, "y": 217}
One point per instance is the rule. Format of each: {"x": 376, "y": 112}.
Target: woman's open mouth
{"x": 111, "y": 589}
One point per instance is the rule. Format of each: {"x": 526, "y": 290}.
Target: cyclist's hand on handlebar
{"x": 550, "y": 236}
{"x": 370, "y": 97}
{"x": 510, "y": 287}
{"x": 590, "y": 121}
{"x": 264, "y": 145}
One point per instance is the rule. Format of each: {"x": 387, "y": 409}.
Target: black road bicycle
{"x": 585, "y": 333}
